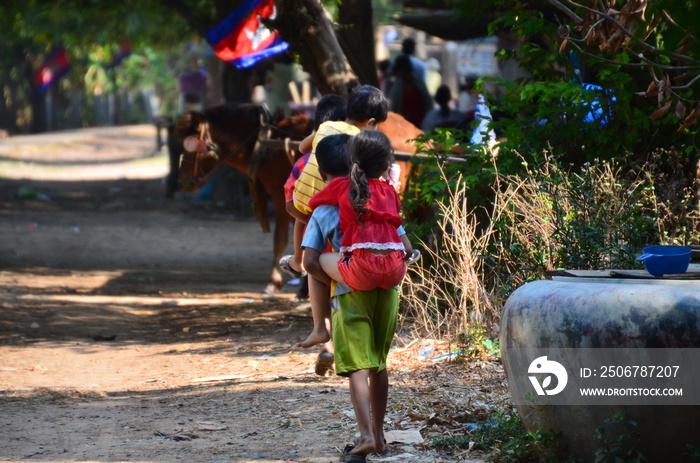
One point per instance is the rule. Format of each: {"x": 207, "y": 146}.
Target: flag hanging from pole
{"x": 55, "y": 67}
{"x": 242, "y": 38}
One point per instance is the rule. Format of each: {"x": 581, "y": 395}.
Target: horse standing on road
{"x": 231, "y": 134}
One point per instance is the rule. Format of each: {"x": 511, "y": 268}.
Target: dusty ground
{"x": 131, "y": 327}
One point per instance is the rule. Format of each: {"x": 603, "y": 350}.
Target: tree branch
{"x": 646, "y": 61}
{"x": 566, "y": 11}
{"x": 631, "y": 36}
{"x": 601, "y": 59}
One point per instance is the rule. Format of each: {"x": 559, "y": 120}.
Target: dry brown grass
{"x": 595, "y": 218}
{"x": 445, "y": 293}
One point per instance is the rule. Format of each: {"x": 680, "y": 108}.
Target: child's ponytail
{"x": 359, "y": 190}
{"x": 371, "y": 155}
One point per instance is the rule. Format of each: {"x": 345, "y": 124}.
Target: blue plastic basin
{"x": 665, "y": 259}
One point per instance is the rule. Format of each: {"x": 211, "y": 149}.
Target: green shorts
{"x": 363, "y": 327}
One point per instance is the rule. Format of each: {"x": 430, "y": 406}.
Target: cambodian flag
{"x": 123, "y": 52}
{"x": 55, "y": 67}
{"x": 242, "y": 38}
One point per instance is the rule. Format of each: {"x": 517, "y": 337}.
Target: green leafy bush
{"x": 504, "y": 440}
{"x": 620, "y": 448}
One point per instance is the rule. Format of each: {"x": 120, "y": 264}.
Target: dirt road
{"x": 131, "y": 327}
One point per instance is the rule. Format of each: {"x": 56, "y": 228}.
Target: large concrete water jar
{"x": 587, "y": 316}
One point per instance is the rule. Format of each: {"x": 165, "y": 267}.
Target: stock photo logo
{"x": 546, "y": 369}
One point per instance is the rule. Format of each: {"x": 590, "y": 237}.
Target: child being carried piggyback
{"x": 372, "y": 253}
{"x": 329, "y": 108}
{"x": 366, "y": 108}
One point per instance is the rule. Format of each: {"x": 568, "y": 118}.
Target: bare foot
{"x": 316, "y": 337}
{"x": 364, "y": 446}
{"x": 380, "y": 446}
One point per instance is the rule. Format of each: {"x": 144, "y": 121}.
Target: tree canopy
{"x": 606, "y": 79}
{"x": 636, "y": 49}
{"x": 92, "y": 34}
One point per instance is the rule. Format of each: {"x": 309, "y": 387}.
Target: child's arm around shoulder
{"x": 306, "y": 143}
{"x": 296, "y": 213}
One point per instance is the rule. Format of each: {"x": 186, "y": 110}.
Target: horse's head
{"x": 194, "y": 165}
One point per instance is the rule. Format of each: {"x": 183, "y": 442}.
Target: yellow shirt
{"x": 310, "y": 182}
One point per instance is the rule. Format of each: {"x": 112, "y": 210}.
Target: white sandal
{"x": 287, "y": 268}
{"x": 415, "y": 255}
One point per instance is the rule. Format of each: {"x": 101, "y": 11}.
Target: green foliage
{"x": 432, "y": 178}
{"x": 83, "y": 24}
{"x": 475, "y": 343}
{"x": 594, "y": 218}
{"x": 561, "y": 190}
{"x": 692, "y": 452}
{"x": 555, "y": 116}
{"x": 620, "y": 447}
{"x": 91, "y": 33}
{"x": 505, "y": 440}
{"x": 546, "y": 110}
{"x": 504, "y": 230}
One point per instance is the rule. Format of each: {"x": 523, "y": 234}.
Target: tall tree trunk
{"x": 355, "y": 33}
{"x": 306, "y": 27}
{"x": 7, "y": 118}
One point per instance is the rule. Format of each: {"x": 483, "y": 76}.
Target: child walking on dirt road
{"x": 364, "y": 322}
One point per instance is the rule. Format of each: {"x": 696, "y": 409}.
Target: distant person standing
{"x": 192, "y": 88}
{"x": 443, "y": 116}
{"x": 409, "y": 95}
{"x": 408, "y": 48}
{"x": 384, "y": 76}
{"x": 468, "y": 98}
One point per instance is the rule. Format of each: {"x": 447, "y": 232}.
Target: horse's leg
{"x": 280, "y": 241}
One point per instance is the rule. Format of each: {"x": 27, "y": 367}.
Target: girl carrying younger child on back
{"x": 372, "y": 254}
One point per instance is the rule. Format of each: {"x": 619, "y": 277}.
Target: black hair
{"x": 330, "y": 108}
{"x": 371, "y": 154}
{"x": 331, "y": 155}
{"x": 443, "y": 95}
{"x": 367, "y": 102}
{"x": 408, "y": 46}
